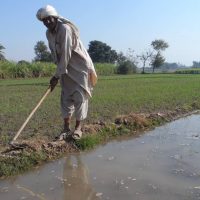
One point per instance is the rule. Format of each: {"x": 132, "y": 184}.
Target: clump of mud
{"x": 137, "y": 120}
{"x": 94, "y": 128}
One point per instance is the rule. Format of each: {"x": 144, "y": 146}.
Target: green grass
{"x": 113, "y": 95}
{"x": 17, "y": 165}
{"x": 111, "y": 132}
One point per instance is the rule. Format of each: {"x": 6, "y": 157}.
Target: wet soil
{"x": 136, "y": 123}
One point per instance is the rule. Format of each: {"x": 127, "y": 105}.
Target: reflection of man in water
{"x": 77, "y": 186}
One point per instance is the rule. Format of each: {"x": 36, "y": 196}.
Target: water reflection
{"x": 77, "y": 185}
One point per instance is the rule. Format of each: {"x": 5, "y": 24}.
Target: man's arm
{"x": 63, "y": 49}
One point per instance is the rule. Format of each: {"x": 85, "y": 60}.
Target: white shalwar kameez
{"x": 74, "y": 68}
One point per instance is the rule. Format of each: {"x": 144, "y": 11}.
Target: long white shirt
{"x": 71, "y": 57}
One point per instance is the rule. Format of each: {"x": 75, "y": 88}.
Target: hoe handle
{"x": 31, "y": 114}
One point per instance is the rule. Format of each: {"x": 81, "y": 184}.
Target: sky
{"x": 121, "y": 24}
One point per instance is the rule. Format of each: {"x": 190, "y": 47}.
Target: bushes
{"x": 188, "y": 71}
{"x": 126, "y": 67}
{"x": 36, "y": 69}
{"x": 48, "y": 69}
{"x": 24, "y": 69}
{"x": 19, "y": 70}
{"x": 5, "y": 68}
{"x": 105, "y": 69}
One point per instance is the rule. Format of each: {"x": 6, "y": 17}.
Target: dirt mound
{"x": 51, "y": 149}
{"x": 93, "y": 128}
{"x": 137, "y": 120}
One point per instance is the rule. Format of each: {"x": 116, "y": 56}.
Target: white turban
{"x": 46, "y": 12}
{"x": 51, "y": 11}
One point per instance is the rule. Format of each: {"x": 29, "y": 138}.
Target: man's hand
{"x": 53, "y": 82}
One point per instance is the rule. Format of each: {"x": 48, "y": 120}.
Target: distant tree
{"x": 159, "y": 45}
{"x": 113, "y": 56}
{"x": 144, "y": 57}
{"x": 2, "y": 57}
{"x": 126, "y": 64}
{"x": 23, "y": 62}
{"x": 121, "y": 57}
{"x": 131, "y": 57}
{"x": 195, "y": 64}
{"x": 101, "y": 53}
{"x": 42, "y": 53}
{"x": 171, "y": 66}
{"x": 157, "y": 59}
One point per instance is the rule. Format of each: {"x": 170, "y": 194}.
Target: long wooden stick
{"x": 31, "y": 114}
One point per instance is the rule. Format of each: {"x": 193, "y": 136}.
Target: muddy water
{"x": 163, "y": 164}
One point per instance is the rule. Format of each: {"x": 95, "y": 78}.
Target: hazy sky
{"x": 122, "y": 24}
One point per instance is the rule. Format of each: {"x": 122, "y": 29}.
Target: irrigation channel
{"x": 160, "y": 164}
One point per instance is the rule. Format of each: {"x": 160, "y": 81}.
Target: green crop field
{"x": 113, "y": 95}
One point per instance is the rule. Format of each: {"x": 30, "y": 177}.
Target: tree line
{"x": 100, "y": 52}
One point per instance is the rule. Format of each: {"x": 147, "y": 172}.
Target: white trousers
{"x": 73, "y": 99}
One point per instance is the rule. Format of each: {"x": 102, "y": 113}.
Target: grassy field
{"x": 113, "y": 95}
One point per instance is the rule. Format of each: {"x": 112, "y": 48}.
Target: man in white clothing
{"x": 74, "y": 68}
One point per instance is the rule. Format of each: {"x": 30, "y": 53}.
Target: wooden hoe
{"x": 12, "y": 143}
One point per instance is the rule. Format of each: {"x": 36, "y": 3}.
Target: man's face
{"x": 50, "y": 22}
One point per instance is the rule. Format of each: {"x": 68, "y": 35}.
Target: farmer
{"x": 74, "y": 69}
